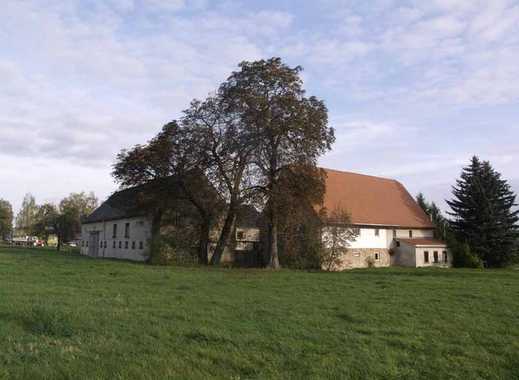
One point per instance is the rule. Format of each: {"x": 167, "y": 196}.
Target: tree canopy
{"x": 6, "y": 219}
{"x": 289, "y": 129}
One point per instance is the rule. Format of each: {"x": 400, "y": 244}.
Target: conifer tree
{"x": 441, "y": 225}
{"x": 483, "y": 214}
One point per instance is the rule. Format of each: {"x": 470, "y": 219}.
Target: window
{"x": 410, "y": 234}
{"x": 86, "y": 244}
{"x": 141, "y": 245}
{"x": 133, "y": 245}
{"x": 101, "y": 244}
{"x": 435, "y": 255}
{"x": 377, "y": 256}
{"x": 114, "y": 235}
{"x": 445, "y": 257}
{"x": 377, "y": 232}
{"x": 82, "y": 243}
{"x": 114, "y": 245}
{"x": 240, "y": 235}
{"x": 120, "y": 244}
{"x": 426, "y": 257}
{"x": 127, "y": 230}
{"x": 126, "y": 245}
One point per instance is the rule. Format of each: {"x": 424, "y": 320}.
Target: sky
{"x": 413, "y": 88}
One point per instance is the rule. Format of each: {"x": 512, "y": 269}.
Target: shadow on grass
{"x": 47, "y": 321}
{"x": 206, "y": 338}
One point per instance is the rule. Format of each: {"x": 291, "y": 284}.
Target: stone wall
{"x": 364, "y": 258}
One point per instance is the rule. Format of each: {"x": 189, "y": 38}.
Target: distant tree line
{"x": 62, "y": 220}
{"x": 482, "y": 228}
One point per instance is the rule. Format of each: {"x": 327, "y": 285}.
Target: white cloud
{"x": 170, "y": 5}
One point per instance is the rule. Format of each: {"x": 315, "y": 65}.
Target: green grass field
{"x": 66, "y": 316}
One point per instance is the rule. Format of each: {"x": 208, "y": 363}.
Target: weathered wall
{"x": 404, "y": 256}
{"x": 420, "y": 254}
{"x": 134, "y": 247}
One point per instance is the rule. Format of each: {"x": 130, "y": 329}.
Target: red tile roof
{"x": 423, "y": 242}
{"x": 373, "y": 200}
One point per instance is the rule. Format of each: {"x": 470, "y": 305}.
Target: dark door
{"x": 93, "y": 244}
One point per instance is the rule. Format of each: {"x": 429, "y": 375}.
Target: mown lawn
{"x": 65, "y": 316}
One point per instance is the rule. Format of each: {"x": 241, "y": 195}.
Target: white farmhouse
{"x": 392, "y": 228}
{"x": 117, "y": 229}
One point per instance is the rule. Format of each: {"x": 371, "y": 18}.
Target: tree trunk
{"x": 203, "y": 248}
{"x": 155, "y": 245}
{"x": 273, "y": 257}
{"x": 223, "y": 241}
{"x": 59, "y": 243}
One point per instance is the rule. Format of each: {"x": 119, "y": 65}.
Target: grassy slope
{"x": 73, "y": 317}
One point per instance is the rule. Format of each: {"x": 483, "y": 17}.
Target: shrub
{"x": 165, "y": 250}
{"x": 462, "y": 257}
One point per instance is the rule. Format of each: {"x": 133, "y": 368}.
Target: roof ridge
{"x": 360, "y": 174}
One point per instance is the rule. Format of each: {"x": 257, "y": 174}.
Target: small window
{"x": 86, "y": 244}
{"x": 126, "y": 244}
{"x": 82, "y": 243}
{"x": 120, "y": 244}
{"x": 377, "y": 256}
{"x": 114, "y": 244}
{"x": 240, "y": 235}
{"x": 410, "y": 234}
{"x": 141, "y": 245}
{"x": 114, "y": 235}
{"x": 377, "y": 232}
{"x": 133, "y": 245}
{"x": 426, "y": 257}
{"x": 127, "y": 230}
{"x": 101, "y": 244}
{"x": 435, "y": 256}
{"x": 445, "y": 257}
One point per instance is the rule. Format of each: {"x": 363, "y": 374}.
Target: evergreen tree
{"x": 441, "y": 225}
{"x": 483, "y": 214}
{"x": 420, "y": 199}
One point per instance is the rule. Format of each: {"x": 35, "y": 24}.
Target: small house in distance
{"x": 391, "y": 227}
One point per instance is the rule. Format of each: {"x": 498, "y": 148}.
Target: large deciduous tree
{"x": 170, "y": 161}
{"x": 483, "y": 214}
{"x": 221, "y": 140}
{"x": 6, "y": 219}
{"x": 289, "y": 128}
